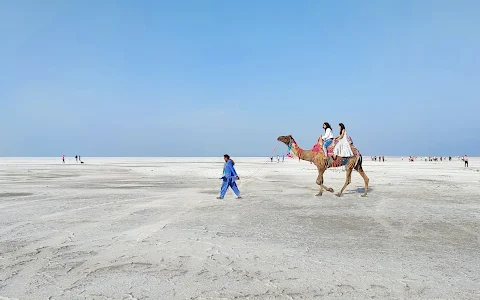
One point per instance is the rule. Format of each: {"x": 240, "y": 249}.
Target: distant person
{"x": 229, "y": 177}
{"x": 283, "y": 158}
{"x": 271, "y": 158}
{"x": 76, "y": 158}
{"x": 327, "y": 137}
{"x": 383, "y": 158}
{"x": 63, "y": 158}
{"x": 465, "y": 159}
{"x": 278, "y": 158}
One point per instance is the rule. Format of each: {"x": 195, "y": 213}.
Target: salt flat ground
{"x": 151, "y": 228}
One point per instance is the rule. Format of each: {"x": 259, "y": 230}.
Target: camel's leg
{"x": 347, "y": 181}
{"x": 365, "y": 178}
{"x": 328, "y": 189}
{"x": 320, "y": 182}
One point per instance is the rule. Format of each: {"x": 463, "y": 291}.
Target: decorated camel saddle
{"x": 339, "y": 161}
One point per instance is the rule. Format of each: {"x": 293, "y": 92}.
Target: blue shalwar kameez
{"x": 229, "y": 178}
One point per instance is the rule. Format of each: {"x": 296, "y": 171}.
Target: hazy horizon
{"x": 219, "y": 157}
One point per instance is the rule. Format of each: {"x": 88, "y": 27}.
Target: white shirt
{"x": 328, "y": 134}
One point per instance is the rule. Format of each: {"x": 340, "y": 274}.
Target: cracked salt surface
{"x": 152, "y": 229}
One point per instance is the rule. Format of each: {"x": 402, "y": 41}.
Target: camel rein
{"x": 263, "y": 165}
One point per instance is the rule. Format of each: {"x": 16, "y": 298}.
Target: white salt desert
{"x": 151, "y": 228}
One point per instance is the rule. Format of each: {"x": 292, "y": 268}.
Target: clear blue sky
{"x": 204, "y": 78}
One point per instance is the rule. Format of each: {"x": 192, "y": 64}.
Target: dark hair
{"x": 227, "y": 156}
{"x": 327, "y": 126}
{"x": 342, "y": 127}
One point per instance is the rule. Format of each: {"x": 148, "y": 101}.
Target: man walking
{"x": 229, "y": 177}
{"x": 465, "y": 159}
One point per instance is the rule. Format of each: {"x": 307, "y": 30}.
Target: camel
{"x": 318, "y": 157}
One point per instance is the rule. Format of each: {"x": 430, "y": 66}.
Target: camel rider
{"x": 327, "y": 137}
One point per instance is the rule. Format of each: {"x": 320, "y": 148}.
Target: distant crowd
{"x": 77, "y": 159}
{"x": 278, "y": 158}
{"x": 426, "y": 158}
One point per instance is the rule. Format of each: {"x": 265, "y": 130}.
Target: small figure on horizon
{"x": 229, "y": 177}
{"x": 63, "y": 158}
{"x": 465, "y": 159}
{"x": 76, "y": 158}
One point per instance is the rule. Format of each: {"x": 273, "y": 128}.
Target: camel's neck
{"x": 299, "y": 152}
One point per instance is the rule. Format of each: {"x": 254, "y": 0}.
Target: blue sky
{"x": 203, "y": 78}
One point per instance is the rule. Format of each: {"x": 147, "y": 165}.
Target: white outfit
{"x": 342, "y": 148}
{"x": 328, "y": 134}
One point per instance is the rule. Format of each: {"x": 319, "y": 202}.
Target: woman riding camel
{"x": 327, "y": 138}
{"x": 342, "y": 148}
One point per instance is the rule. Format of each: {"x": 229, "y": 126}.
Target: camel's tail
{"x": 358, "y": 165}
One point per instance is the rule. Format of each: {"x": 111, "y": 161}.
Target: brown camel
{"x": 318, "y": 157}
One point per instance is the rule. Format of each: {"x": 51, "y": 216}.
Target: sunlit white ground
{"x": 151, "y": 228}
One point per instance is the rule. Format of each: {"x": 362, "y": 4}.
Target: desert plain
{"x": 152, "y": 228}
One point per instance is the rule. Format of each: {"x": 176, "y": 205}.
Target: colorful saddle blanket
{"x": 317, "y": 148}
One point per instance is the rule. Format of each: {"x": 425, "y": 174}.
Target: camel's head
{"x": 285, "y": 139}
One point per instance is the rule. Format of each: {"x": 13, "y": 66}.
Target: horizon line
{"x": 248, "y": 156}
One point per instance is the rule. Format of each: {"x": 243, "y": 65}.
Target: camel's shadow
{"x": 362, "y": 190}
{"x": 356, "y": 191}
